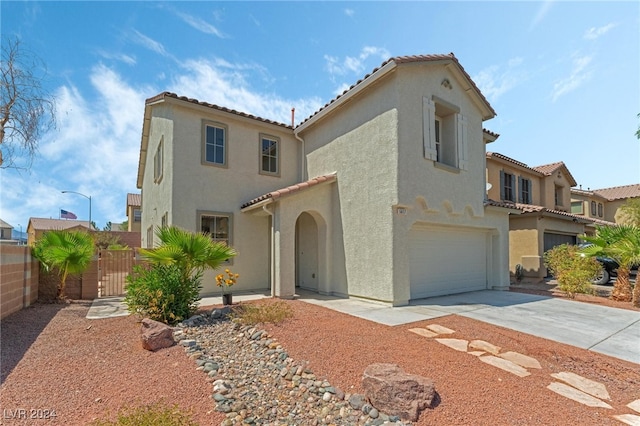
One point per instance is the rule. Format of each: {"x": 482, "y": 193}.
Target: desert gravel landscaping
{"x": 53, "y": 358}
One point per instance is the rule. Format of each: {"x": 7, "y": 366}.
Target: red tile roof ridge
{"x": 619, "y": 192}
{"x": 511, "y": 160}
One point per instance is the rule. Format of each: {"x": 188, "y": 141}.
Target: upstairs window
{"x": 577, "y": 207}
{"x": 507, "y": 186}
{"x": 269, "y": 155}
{"x": 525, "y": 190}
{"x": 558, "y": 196}
{"x": 215, "y": 144}
{"x": 137, "y": 215}
{"x": 444, "y": 133}
{"x": 600, "y": 210}
{"x": 593, "y": 209}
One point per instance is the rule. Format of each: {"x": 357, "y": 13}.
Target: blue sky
{"x": 563, "y": 77}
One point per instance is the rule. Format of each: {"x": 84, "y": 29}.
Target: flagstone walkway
{"x": 569, "y": 385}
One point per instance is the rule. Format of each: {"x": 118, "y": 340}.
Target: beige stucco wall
{"x": 188, "y": 186}
{"x": 493, "y": 176}
{"x": 549, "y": 184}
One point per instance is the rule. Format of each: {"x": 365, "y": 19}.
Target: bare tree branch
{"x": 27, "y": 109}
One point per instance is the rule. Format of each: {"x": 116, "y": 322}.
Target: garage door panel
{"x": 446, "y": 261}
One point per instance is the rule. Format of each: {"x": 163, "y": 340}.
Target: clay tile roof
{"x": 134, "y": 200}
{"x": 58, "y": 224}
{"x": 549, "y": 169}
{"x": 409, "y": 59}
{"x": 531, "y": 208}
{"x": 619, "y": 192}
{"x": 511, "y": 160}
{"x": 163, "y": 95}
{"x": 490, "y": 133}
{"x": 504, "y": 204}
{"x": 4, "y": 224}
{"x": 274, "y": 195}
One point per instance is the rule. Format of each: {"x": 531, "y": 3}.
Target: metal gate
{"x": 113, "y": 268}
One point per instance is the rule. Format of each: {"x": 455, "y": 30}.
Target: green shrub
{"x": 573, "y": 270}
{"x": 254, "y": 313}
{"x": 161, "y": 292}
{"x": 150, "y": 415}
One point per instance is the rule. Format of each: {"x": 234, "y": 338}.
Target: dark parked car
{"x": 609, "y": 268}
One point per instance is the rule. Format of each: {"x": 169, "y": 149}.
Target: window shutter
{"x": 520, "y": 187}
{"x": 463, "y": 162}
{"x": 502, "y": 184}
{"x": 429, "y": 131}
{"x": 530, "y": 197}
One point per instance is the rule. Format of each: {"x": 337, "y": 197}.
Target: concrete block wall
{"x": 19, "y": 275}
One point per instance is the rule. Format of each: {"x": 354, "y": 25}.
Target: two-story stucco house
{"x": 602, "y": 203}
{"x": 543, "y": 196}
{"x": 380, "y": 194}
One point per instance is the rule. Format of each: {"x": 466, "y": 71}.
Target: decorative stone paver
{"x": 439, "y": 329}
{"x": 521, "y": 360}
{"x": 505, "y": 365}
{"x": 629, "y": 419}
{"x": 457, "y": 344}
{"x": 577, "y": 395}
{"x": 634, "y": 405}
{"x": 585, "y": 385}
{"x": 485, "y": 346}
{"x": 423, "y": 332}
{"x": 476, "y": 353}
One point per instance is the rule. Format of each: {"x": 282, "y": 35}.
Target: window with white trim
{"x": 217, "y": 225}
{"x": 214, "y": 144}
{"x": 577, "y": 207}
{"x": 158, "y": 162}
{"x": 444, "y": 133}
{"x": 269, "y": 155}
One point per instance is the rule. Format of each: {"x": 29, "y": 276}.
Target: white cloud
{"x": 127, "y": 59}
{"x": 149, "y": 43}
{"x": 200, "y": 24}
{"x": 593, "y": 32}
{"x": 354, "y": 64}
{"x": 226, "y": 84}
{"x": 349, "y": 12}
{"x": 541, "y": 13}
{"x": 497, "y": 80}
{"x": 579, "y": 75}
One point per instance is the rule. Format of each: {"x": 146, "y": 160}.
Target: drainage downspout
{"x": 302, "y": 159}
{"x": 272, "y": 260}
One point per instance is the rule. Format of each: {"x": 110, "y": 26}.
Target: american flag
{"x": 67, "y": 215}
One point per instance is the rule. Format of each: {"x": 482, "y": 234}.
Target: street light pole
{"x": 88, "y": 197}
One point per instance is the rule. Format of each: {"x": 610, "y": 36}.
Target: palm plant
{"x": 191, "y": 252}
{"x": 68, "y": 252}
{"x": 621, "y": 243}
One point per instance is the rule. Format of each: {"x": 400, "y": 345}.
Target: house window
{"x": 558, "y": 196}
{"x": 525, "y": 190}
{"x": 215, "y": 144}
{"x": 269, "y": 155}
{"x": 137, "y": 215}
{"x": 157, "y": 162}
{"x": 593, "y": 209}
{"x": 600, "y": 210}
{"x": 577, "y": 207}
{"x": 165, "y": 220}
{"x": 217, "y": 225}
{"x": 444, "y": 133}
{"x": 150, "y": 237}
{"x": 507, "y": 186}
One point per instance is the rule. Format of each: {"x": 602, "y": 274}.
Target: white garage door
{"x": 444, "y": 261}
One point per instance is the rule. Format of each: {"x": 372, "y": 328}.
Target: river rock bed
{"x": 254, "y": 380}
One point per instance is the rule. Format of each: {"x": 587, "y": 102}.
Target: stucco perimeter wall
{"x": 525, "y": 246}
{"x": 364, "y": 155}
{"x": 19, "y": 274}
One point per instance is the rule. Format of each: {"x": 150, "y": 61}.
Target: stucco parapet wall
{"x": 289, "y": 190}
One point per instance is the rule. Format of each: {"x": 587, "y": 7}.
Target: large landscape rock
{"x": 389, "y": 389}
{"x": 156, "y": 335}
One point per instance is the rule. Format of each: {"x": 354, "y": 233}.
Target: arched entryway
{"x": 307, "y": 255}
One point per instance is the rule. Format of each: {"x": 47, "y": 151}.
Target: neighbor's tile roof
{"x": 163, "y": 95}
{"x": 59, "y": 224}
{"x": 409, "y": 59}
{"x": 532, "y": 208}
{"x": 134, "y": 200}
{"x": 511, "y": 160}
{"x": 549, "y": 169}
{"x": 4, "y": 224}
{"x": 274, "y": 195}
{"x": 619, "y": 192}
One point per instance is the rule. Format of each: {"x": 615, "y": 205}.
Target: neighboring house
{"x": 38, "y": 226}
{"x": 542, "y": 196}
{"x": 380, "y": 194}
{"x": 134, "y": 212}
{"x": 602, "y": 203}
{"x": 6, "y": 233}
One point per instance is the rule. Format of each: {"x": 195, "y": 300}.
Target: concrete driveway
{"x": 611, "y": 331}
